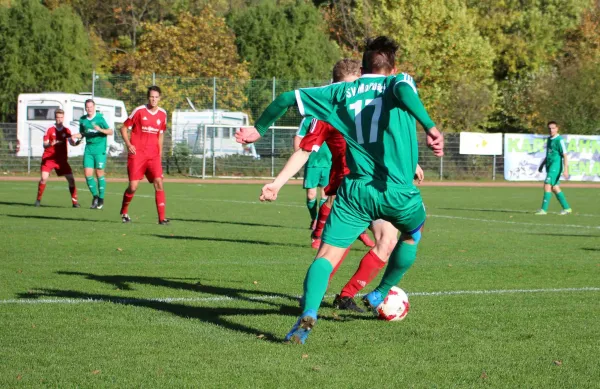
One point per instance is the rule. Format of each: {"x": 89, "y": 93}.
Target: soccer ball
{"x": 395, "y": 306}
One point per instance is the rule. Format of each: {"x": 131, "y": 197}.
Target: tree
{"x": 41, "y": 50}
{"x": 285, "y": 41}
{"x": 441, "y": 47}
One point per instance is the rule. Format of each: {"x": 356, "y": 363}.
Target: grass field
{"x": 499, "y": 297}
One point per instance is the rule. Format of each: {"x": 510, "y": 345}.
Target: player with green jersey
{"x": 556, "y": 163}
{"x": 377, "y": 116}
{"x": 94, "y": 129}
{"x": 316, "y": 171}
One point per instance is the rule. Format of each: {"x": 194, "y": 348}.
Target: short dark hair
{"x": 380, "y": 54}
{"x": 89, "y": 101}
{"x": 153, "y": 88}
{"x": 59, "y": 111}
{"x": 551, "y": 122}
{"x": 345, "y": 67}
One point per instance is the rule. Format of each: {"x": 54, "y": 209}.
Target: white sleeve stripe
{"x": 315, "y": 148}
{"x": 409, "y": 83}
{"x": 299, "y": 102}
{"x": 562, "y": 144}
{"x": 313, "y": 125}
{"x": 300, "y": 128}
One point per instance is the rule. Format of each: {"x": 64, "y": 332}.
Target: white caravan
{"x": 35, "y": 114}
{"x": 218, "y": 127}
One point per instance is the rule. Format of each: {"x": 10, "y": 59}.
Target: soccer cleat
{"x": 364, "y": 237}
{"x": 567, "y": 211}
{"x": 100, "y": 203}
{"x": 37, "y": 203}
{"x": 164, "y": 222}
{"x": 541, "y": 212}
{"x": 346, "y": 303}
{"x": 76, "y": 205}
{"x": 372, "y": 301}
{"x": 302, "y": 328}
{"x": 125, "y": 218}
{"x": 94, "y": 203}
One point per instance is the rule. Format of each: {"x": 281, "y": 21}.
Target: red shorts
{"x": 62, "y": 167}
{"x": 139, "y": 165}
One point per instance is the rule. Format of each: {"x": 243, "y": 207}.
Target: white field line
{"x": 514, "y": 222}
{"x": 120, "y": 300}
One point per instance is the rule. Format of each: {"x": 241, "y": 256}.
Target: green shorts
{"x": 316, "y": 177}
{"x": 94, "y": 161}
{"x": 553, "y": 174}
{"x": 359, "y": 202}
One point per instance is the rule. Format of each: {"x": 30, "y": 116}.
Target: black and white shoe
{"x": 100, "y": 203}
{"x": 37, "y": 203}
{"x": 76, "y": 205}
{"x": 125, "y": 218}
{"x": 94, "y": 203}
{"x": 346, "y": 303}
{"x": 164, "y": 222}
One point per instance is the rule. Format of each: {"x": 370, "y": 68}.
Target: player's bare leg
{"x": 127, "y": 198}
{"x": 91, "y": 183}
{"x": 160, "y": 201}
{"x": 41, "y": 187}
{"x": 386, "y": 236}
{"x": 73, "y": 190}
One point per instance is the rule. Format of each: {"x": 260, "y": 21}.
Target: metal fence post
{"x": 29, "y": 151}
{"x": 214, "y": 99}
{"x": 213, "y": 151}
{"x": 494, "y": 169}
{"x": 204, "y": 153}
{"x": 441, "y": 168}
{"x": 93, "y": 83}
{"x": 273, "y": 139}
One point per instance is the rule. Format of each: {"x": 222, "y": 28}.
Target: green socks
{"x": 312, "y": 208}
{"x": 91, "y": 183}
{"x": 101, "y": 186}
{"x": 560, "y": 196}
{"x": 401, "y": 260}
{"x": 315, "y": 283}
{"x": 546, "y": 202}
{"x": 323, "y": 200}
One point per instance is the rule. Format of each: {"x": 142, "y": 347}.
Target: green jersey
{"x": 321, "y": 158}
{"x": 95, "y": 142}
{"x": 555, "y": 150}
{"x": 377, "y": 116}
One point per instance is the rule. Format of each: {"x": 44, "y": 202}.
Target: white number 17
{"x": 358, "y": 107}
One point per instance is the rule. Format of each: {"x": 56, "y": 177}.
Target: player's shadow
{"x": 76, "y": 219}
{"x": 236, "y": 223}
{"x": 219, "y": 316}
{"x": 124, "y": 282}
{"x": 245, "y": 241}
{"x": 590, "y": 249}
{"x": 481, "y": 210}
{"x": 24, "y": 204}
{"x": 564, "y": 235}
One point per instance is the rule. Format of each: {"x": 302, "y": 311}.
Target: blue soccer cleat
{"x": 302, "y": 328}
{"x": 373, "y": 300}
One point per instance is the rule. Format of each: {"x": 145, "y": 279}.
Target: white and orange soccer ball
{"x": 395, "y": 306}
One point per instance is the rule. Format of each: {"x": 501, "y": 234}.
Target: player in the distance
{"x": 94, "y": 129}
{"x": 377, "y": 116}
{"x": 148, "y": 124}
{"x": 556, "y": 163}
{"x": 55, "y": 157}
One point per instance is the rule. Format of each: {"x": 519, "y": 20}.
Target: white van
{"x": 35, "y": 114}
{"x": 191, "y": 127}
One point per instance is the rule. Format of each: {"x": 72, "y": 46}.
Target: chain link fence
{"x": 203, "y": 114}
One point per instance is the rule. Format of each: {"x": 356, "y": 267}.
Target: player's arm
{"x": 293, "y": 166}
{"x": 542, "y": 165}
{"x": 406, "y": 93}
{"x": 274, "y": 111}
{"x": 297, "y": 140}
{"x": 419, "y": 174}
{"x": 563, "y": 154}
{"x": 161, "y": 139}
{"x": 47, "y": 139}
{"x": 125, "y": 134}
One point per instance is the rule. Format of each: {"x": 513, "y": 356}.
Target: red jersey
{"x": 145, "y": 128}
{"x": 324, "y": 132}
{"x": 57, "y": 152}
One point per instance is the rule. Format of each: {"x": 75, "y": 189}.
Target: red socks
{"x": 73, "y": 190}
{"x": 368, "y": 269}
{"x": 127, "y": 197}
{"x": 41, "y": 188}
{"x": 160, "y": 204}
{"x": 324, "y": 212}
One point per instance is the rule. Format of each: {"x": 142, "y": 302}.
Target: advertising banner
{"x": 480, "y": 143}
{"x": 523, "y": 154}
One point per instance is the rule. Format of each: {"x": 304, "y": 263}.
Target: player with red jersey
{"x": 55, "y": 157}
{"x": 147, "y": 124}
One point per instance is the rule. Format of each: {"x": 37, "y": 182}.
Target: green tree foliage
{"x": 441, "y": 47}
{"x": 286, "y": 41}
{"x": 40, "y": 50}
